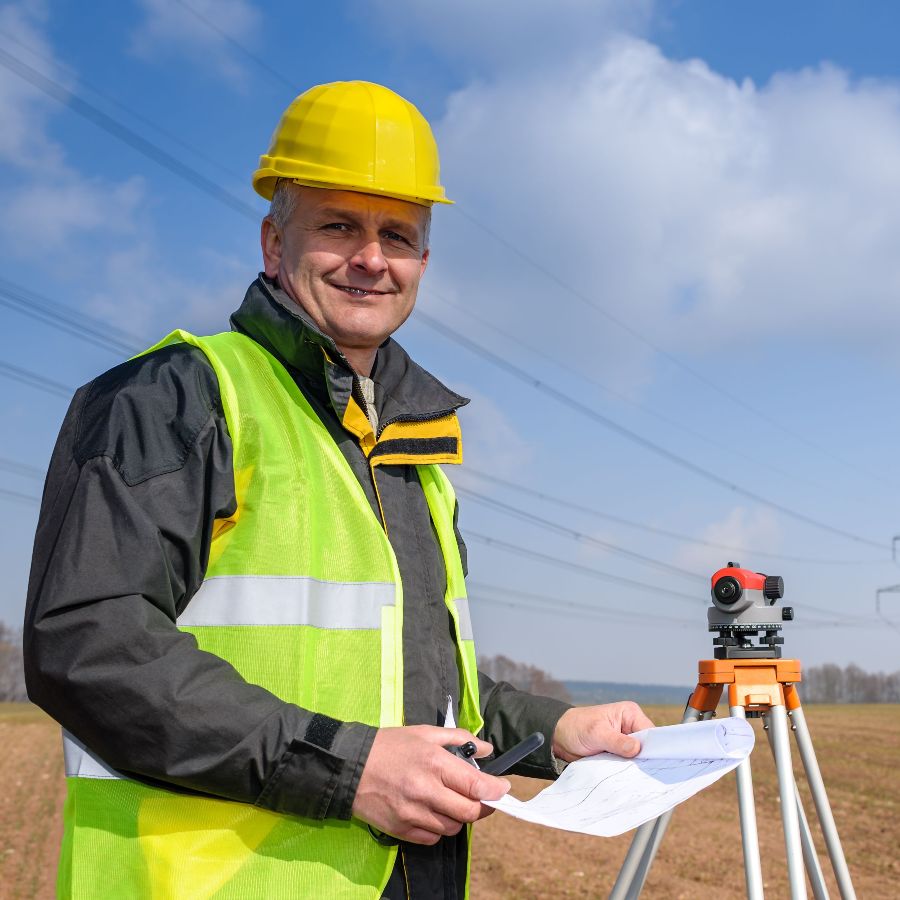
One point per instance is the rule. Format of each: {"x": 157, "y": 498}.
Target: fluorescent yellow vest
{"x": 303, "y": 596}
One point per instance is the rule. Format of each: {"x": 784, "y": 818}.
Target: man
{"x": 247, "y": 604}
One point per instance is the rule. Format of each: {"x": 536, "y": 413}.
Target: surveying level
{"x": 743, "y": 605}
{"x": 760, "y": 685}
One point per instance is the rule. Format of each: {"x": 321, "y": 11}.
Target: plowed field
{"x": 858, "y": 749}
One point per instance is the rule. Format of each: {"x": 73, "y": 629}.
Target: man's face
{"x": 352, "y": 261}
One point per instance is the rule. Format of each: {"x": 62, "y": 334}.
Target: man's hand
{"x": 412, "y": 788}
{"x": 585, "y": 730}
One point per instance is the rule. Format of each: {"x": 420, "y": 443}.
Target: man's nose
{"x": 369, "y": 258}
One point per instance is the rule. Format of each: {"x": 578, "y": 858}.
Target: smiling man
{"x": 247, "y": 606}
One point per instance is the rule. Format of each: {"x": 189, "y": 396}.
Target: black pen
{"x": 502, "y": 763}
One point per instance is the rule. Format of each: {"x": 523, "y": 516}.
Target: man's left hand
{"x": 585, "y": 730}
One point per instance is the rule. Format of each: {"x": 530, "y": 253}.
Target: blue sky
{"x": 678, "y": 220}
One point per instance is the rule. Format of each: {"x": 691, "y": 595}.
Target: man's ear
{"x": 425, "y": 256}
{"x": 272, "y": 246}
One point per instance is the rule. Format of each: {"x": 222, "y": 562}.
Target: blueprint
{"x": 607, "y": 795}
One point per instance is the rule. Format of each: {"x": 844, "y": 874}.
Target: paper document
{"x": 608, "y": 795}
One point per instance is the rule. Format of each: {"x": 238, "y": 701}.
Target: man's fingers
{"x": 454, "y": 737}
{"x": 469, "y": 782}
{"x": 634, "y": 718}
{"x": 420, "y": 836}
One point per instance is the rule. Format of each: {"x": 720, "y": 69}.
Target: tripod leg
{"x": 810, "y": 857}
{"x": 823, "y": 807}
{"x": 623, "y": 888}
{"x": 645, "y": 843}
{"x": 749, "y": 835}
{"x": 778, "y": 723}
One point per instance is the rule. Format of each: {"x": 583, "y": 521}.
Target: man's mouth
{"x": 359, "y": 292}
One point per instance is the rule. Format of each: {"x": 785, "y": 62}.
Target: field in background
{"x": 858, "y": 748}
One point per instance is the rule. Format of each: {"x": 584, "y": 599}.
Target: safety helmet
{"x": 354, "y": 136}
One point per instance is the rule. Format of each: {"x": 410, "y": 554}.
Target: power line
{"x": 552, "y": 607}
{"x": 56, "y": 315}
{"x": 17, "y": 497}
{"x": 606, "y": 611}
{"x": 651, "y": 529}
{"x": 125, "y": 134}
{"x": 129, "y": 111}
{"x": 533, "y": 261}
{"x": 576, "y": 614}
{"x": 578, "y": 536}
{"x": 273, "y": 73}
{"x": 33, "y": 379}
{"x": 26, "y": 471}
{"x": 623, "y": 398}
{"x": 598, "y": 417}
{"x": 577, "y": 567}
{"x": 556, "y": 561}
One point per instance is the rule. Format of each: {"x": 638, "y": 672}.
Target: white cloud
{"x": 46, "y": 206}
{"x": 87, "y": 230}
{"x": 138, "y": 291}
{"x": 490, "y": 440}
{"x": 742, "y": 527}
{"x": 509, "y": 34}
{"x": 686, "y": 204}
{"x": 24, "y": 110}
{"x": 47, "y": 218}
{"x": 197, "y": 30}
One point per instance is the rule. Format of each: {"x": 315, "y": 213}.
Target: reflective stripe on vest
{"x": 465, "y": 620}
{"x": 81, "y": 763}
{"x": 287, "y": 600}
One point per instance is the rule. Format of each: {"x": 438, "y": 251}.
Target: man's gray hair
{"x": 284, "y": 202}
{"x": 286, "y": 196}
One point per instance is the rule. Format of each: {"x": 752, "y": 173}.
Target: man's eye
{"x": 394, "y": 236}
{"x": 336, "y": 226}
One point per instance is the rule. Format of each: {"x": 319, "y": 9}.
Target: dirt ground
{"x": 858, "y": 749}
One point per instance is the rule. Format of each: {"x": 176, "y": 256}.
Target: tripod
{"x": 757, "y": 687}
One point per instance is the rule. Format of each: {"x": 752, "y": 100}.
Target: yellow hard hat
{"x": 354, "y": 136}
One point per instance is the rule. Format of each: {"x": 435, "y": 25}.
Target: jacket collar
{"x": 416, "y": 413}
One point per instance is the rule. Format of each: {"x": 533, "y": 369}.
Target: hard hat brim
{"x": 266, "y": 177}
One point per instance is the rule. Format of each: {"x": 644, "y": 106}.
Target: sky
{"x": 669, "y": 283}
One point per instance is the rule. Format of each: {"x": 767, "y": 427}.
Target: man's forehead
{"x": 386, "y": 209}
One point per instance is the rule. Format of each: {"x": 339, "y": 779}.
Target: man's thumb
{"x": 627, "y": 746}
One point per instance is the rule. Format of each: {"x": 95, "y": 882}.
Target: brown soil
{"x": 30, "y": 802}
{"x": 858, "y": 749}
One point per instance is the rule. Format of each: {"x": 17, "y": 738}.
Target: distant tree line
{"x": 524, "y": 677}
{"x": 832, "y": 684}
{"x": 12, "y": 673}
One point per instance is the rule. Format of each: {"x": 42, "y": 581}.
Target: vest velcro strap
{"x": 287, "y": 600}
{"x": 322, "y": 731}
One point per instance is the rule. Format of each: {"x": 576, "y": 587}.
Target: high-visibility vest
{"x": 302, "y": 595}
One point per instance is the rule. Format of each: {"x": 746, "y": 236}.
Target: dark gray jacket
{"x": 141, "y": 471}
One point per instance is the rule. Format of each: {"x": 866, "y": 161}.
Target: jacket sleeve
{"x": 510, "y": 715}
{"x": 141, "y": 471}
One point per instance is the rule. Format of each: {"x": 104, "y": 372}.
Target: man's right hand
{"x": 413, "y": 789}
